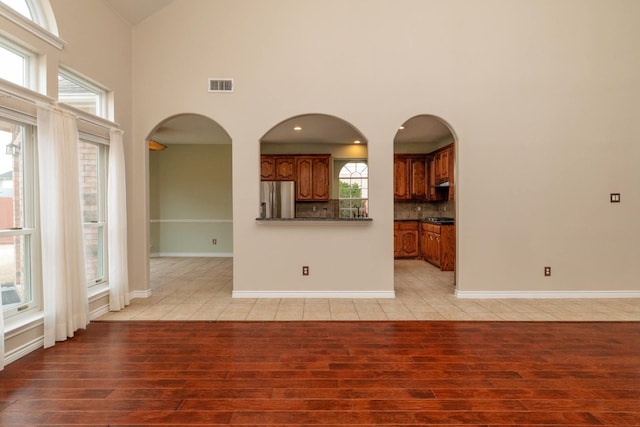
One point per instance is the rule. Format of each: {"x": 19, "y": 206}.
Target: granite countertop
{"x": 315, "y": 219}
{"x": 431, "y": 220}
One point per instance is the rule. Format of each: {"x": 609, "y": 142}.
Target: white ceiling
{"x": 136, "y": 11}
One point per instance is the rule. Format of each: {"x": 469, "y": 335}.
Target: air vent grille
{"x": 220, "y": 85}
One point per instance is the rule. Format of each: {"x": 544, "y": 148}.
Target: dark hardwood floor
{"x": 330, "y": 373}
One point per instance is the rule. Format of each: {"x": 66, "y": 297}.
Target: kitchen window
{"x": 354, "y": 190}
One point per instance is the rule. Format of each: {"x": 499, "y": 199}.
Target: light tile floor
{"x": 200, "y": 289}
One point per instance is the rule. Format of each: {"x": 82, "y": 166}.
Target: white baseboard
{"x": 546, "y": 294}
{"x": 100, "y": 311}
{"x": 192, "y": 254}
{"x": 140, "y": 294}
{"x": 23, "y": 350}
{"x": 313, "y": 294}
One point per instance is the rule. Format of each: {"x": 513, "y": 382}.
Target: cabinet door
{"x": 433, "y": 194}
{"x": 267, "y": 168}
{"x": 444, "y": 165}
{"x": 397, "y": 247}
{"x": 320, "y": 178}
{"x": 284, "y": 169}
{"x": 410, "y": 243}
{"x": 418, "y": 181}
{"x": 400, "y": 179}
{"x": 304, "y": 178}
{"x": 451, "y": 174}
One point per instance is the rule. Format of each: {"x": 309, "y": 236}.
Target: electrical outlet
{"x": 305, "y": 270}
{"x": 547, "y": 271}
{"x": 615, "y": 197}
{"x": 214, "y": 241}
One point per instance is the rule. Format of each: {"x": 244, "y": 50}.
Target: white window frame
{"x": 29, "y": 58}
{"x": 30, "y": 228}
{"x": 42, "y": 25}
{"x": 101, "y": 199}
{"x": 100, "y": 92}
{"x": 364, "y": 200}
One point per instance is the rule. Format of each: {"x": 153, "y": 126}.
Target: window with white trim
{"x": 79, "y": 93}
{"x": 353, "y": 192}
{"x": 93, "y": 197}
{"x": 17, "y": 64}
{"x": 18, "y": 226}
{"x": 21, "y": 6}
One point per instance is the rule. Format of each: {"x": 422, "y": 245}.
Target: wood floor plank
{"x": 330, "y": 373}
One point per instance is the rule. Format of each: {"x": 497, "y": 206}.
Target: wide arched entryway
{"x": 190, "y": 192}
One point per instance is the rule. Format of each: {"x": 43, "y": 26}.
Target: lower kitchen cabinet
{"x": 438, "y": 245}
{"x": 406, "y": 242}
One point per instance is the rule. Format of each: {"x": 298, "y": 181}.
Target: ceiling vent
{"x": 220, "y": 85}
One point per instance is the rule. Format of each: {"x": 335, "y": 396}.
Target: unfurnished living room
{"x": 319, "y": 212}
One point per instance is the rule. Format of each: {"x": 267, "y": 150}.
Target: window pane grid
{"x": 354, "y": 190}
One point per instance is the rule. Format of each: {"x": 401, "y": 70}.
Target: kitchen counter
{"x": 430, "y": 220}
{"x": 315, "y": 219}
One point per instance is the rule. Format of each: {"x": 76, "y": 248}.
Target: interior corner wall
{"x": 542, "y": 96}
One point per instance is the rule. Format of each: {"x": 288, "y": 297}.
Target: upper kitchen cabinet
{"x": 312, "y": 177}
{"x": 277, "y": 168}
{"x": 410, "y": 179}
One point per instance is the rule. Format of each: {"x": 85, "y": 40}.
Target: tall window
{"x": 354, "y": 190}
{"x": 81, "y": 94}
{"x": 17, "y": 218}
{"x": 93, "y": 188}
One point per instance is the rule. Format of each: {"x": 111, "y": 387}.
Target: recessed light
{"x": 401, "y": 128}
{"x": 297, "y": 128}
{"x": 356, "y": 142}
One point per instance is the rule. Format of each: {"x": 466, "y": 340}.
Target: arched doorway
{"x": 424, "y": 201}
{"x": 190, "y": 189}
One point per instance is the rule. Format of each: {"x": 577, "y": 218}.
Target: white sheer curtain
{"x": 66, "y": 306}
{"x": 117, "y": 224}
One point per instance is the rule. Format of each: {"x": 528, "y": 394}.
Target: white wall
{"x": 542, "y": 95}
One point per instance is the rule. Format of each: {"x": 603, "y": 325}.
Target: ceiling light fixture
{"x": 401, "y": 128}
{"x": 297, "y": 128}
{"x": 356, "y": 141}
{"x": 156, "y": 146}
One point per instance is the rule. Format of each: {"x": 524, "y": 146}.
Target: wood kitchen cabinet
{"x": 312, "y": 177}
{"x": 434, "y": 194}
{"x": 438, "y": 245}
{"x": 409, "y": 177}
{"x": 400, "y": 178}
{"x": 277, "y": 168}
{"x": 442, "y": 165}
{"x": 406, "y": 242}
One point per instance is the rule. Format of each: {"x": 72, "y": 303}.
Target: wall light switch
{"x": 615, "y": 197}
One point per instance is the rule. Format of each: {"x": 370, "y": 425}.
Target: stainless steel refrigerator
{"x": 277, "y": 199}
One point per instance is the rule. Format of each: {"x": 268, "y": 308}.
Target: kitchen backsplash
{"x": 402, "y": 210}
{"x": 317, "y": 209}
{"x": 419, "y": 210}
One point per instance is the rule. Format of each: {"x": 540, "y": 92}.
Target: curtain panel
{"x": 117, "y": 224}
{"x": 66, "y": 306}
